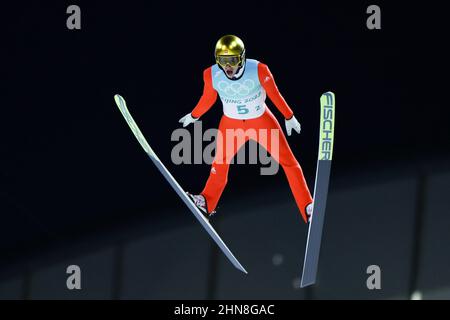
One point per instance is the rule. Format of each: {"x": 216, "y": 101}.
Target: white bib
{"x": 242, "y": 98}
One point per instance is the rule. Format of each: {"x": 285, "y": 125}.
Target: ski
{"x": 312, "y": 252}
{"x": 120, "y": 101}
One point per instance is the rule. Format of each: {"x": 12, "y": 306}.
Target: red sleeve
{"x": 209, "y": 95}
{"x": 268, "y": 83}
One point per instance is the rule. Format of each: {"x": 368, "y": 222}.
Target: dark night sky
{"x": 69, "y": 162}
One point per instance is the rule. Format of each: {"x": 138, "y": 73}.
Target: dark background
{"x": 74, "y": 180}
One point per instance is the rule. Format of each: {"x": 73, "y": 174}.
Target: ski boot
{"x": 200, "y": 202}
{"x": 309, "y": 210}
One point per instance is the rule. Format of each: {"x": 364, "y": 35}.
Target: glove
{"x": 187, "y": 119}
{"x": 292, "y": 123}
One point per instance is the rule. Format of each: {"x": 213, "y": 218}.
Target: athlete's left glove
{"x": 187, "y": 120}
{"x": 292, "y": 123}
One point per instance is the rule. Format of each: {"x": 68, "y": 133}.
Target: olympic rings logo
{"x": 236, "y": 88}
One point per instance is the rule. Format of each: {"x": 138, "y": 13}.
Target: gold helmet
{"x": 230, "y": 50}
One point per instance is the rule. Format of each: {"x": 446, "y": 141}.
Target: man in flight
{"x": 242, "y": 85}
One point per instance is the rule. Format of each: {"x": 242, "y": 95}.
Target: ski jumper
{"x": 244, "y": 108}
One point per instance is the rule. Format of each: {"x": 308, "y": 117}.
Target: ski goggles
{"x": 230, "y": 60}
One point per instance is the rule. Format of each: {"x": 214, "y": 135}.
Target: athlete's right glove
{"x": 187, "y": 120}
{"x": 292, "y": 123}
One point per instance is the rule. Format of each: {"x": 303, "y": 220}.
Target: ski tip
{"x": 117, "y": 98}
{"x": 328, "y": 93}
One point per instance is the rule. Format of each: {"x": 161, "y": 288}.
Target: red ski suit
{"x": 219, "y": 170}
